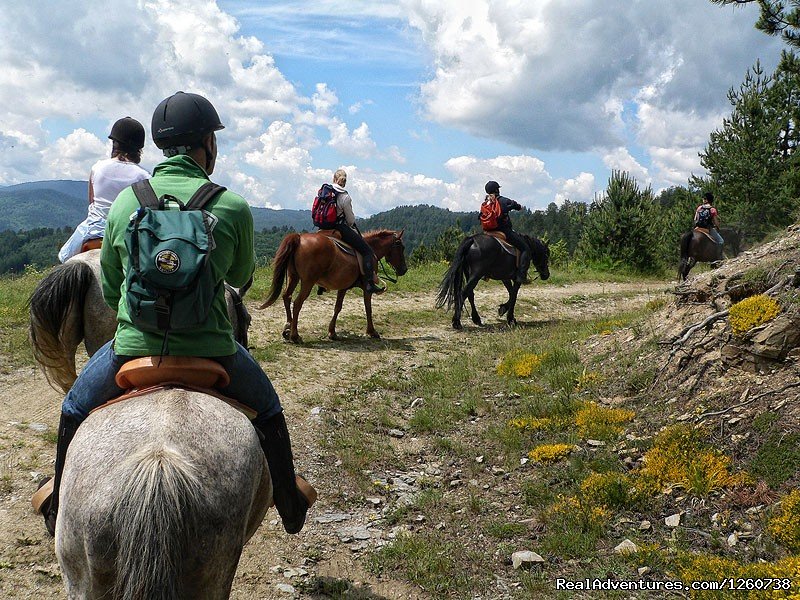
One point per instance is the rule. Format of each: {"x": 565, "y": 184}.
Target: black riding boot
{"x": 370, "y": 287}
{"x": 67, "y": 427}
{"x": 292, "y": 505}
{"x": 524, "y": 264}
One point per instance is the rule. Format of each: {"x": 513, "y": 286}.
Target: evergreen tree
{"x": 623, "y": 227}
{"x": 776, "y": 17}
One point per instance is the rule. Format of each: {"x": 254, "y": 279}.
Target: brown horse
{"x": 697, "y": 247}
{"x": 313, "y": 258}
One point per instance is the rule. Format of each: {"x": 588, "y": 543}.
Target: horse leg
{"x": 336, "y": 310}
{"x": 368, "y": 309}
{"x": 305, "y": 290}
{"x": 467, "y": 293}
{"x": 503, "y": 308}
{"x": 512, "y": 301}
{"x": 287, "y": 303}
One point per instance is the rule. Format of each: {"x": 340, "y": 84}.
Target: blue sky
{"x": 421, "y": 101}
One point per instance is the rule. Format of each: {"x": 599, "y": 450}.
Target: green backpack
{"x": 169, "y": 279}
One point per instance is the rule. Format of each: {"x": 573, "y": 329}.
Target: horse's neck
{"x": 379, "y": 247}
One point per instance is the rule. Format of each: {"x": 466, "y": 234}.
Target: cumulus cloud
{"x": 73, "y": 155}
{"x": 556, "y": 75}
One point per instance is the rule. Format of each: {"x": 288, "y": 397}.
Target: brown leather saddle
{"x": 706, "y": 232}
{"x": 342, "y": 246}
{"x": 92, "y": 244}
{"x": 151, "y": 373}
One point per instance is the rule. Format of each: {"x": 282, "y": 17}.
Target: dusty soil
{"x": 29, "y": 409}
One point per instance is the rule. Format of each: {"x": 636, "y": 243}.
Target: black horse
{"x": 697, "y": 247}
{"x": 481, "y": 256}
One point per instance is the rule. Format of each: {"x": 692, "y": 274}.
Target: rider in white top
{"x": 107, "y": 179}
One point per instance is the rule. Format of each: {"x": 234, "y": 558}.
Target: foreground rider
{"x": 346, "y": 226}
{"x": 108, "y": 178}
{"x": 504, "y": 225}
{"x": 183, "y": 127}
{"x": 707, "y": 217}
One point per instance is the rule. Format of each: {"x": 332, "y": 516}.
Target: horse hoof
{"x": 333, "y": 337}
{"x": 457, "y": 326}
{"x": 512, "y": 322}
{"x": 374, "y": 335}
{"x": 296, "y": 339}
{"x": 477, "y": 322}
{"x": 285, "y": 334}
{"x": 502, "y": 309}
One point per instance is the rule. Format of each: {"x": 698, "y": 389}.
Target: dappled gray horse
{"x": 67, "y": 307}
{"x": 159, "y": 494}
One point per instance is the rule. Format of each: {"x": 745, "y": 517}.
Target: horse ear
{"x": 400, "y": 235}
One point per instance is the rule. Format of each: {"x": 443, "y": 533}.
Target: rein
{"x": 386, "y": 275}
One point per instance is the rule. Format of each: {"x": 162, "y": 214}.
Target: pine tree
{"x": 623, "y": 227}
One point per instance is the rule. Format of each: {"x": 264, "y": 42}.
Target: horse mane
{"x": 378, "y": 233}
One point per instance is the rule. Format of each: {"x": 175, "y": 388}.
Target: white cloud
{"x": 619, "y": 159}
{"x": 577, "y": 189}
{"x": 72, "y": 156}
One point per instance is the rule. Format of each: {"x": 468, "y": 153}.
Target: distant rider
{"x": 107, "y": 179}
{"x": 707, "y": 217}
{"x": 346, "y": 226}
{"x": 184, "y": 127}
{"x": 504, "y": 225}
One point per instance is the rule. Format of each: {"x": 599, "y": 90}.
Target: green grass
{"x": 777, "y": 459}
{"x": 427, "y": 560}
{"x": 14, "y": 294}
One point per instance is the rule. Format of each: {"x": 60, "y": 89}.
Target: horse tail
{"x": 156, "y": 515}
{"x": 280, "y": 265}
{"x": 453, "y": 280}
{"x": 57, "y": 297}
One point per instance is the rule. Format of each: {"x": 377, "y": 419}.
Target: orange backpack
{"x": 490, "y": 213}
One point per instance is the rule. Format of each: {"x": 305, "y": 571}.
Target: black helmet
{"x": 183, "y": 119}
{"x": 492, "y": 187}
{"x": 128, "y": 132}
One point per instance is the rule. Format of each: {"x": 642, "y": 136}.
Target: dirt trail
{"x": 29, "y": 415}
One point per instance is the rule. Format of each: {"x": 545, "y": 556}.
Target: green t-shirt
{"x": 232, "y": 260}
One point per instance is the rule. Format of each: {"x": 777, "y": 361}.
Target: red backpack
{"x": 490, "y": 213}
{"x": 323, "y": 211}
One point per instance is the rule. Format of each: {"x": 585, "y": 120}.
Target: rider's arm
{"x": 715, "y": 219}
{"x": 346, "y": 204}
{"x": 111, "y": 273}
{"x": 244, "y": 263}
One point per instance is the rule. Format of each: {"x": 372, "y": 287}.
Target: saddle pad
{"x": 153, "y": 370}
{"x": 501, "y": 239}
{"x": 135, "y": 393}
{"x": 705, "y": 232}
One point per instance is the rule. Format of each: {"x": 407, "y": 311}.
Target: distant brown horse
{"x": 313, "y": 258}
{"x": 697, "y": 247}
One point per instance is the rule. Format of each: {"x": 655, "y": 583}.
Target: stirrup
{"x": 305, "y": 489}
{"x": 41, "y": 497}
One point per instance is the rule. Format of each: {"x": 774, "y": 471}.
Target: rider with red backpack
{"x": 494, "y": 217}
{"x": 333, "y": 209}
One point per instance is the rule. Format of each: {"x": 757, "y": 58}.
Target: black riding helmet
{"x": 492, "y": 187}
{"x": 128, "y": 132}
{"x": 183, "y": 119}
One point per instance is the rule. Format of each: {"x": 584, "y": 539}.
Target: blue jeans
{"x": 714, "y": 233}
{"x": 95, "y": 385}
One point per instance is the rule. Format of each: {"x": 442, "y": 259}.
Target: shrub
{"x": 595, "y": 421}
{"x": 550, "y": 452}
{"x": 607, "y": 489}
{"x": 679, "y": 457}
{"x": 529, "y": 423}
{"x": 785, "y": 526}
{"x": 520, "y": 365}
{"x": 752, "y": 312}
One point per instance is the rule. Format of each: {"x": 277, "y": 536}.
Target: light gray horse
{"x": 67, "y": 307}
{"x": 159, "y": 495}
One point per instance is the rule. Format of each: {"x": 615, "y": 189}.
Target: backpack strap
{"x": 145, "y": 194}
{"x": 207, "y": 192}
